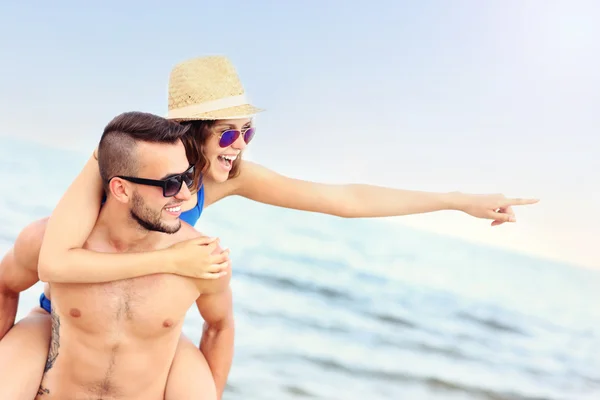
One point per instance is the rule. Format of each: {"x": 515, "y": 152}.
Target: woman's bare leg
{"x": 23, "y": 353}
{"x": 190, "y": 377}
{"x": 24, "y": 348}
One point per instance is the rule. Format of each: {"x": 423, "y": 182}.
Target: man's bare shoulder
{"x": 205, "y": 286}
{"x": 187, "y": 232}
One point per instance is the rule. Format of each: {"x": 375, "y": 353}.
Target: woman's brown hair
{"x": 194, "y": 141}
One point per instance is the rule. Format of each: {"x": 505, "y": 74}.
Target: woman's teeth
{"x": 228, "y": 160}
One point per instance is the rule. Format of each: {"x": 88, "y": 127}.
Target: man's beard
{"x": 149, "y": 219}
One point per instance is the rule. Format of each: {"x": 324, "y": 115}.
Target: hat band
{"x": 208, "y": 106}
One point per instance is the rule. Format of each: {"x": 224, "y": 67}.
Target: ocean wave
{"x": 491, "y": 324}
{"x": 309, "y": 232}
{"x": 394, "y": 320}
{"x": 299, "y": 322}
{"x": 298, "y": 391}
{"x": 433, "y": 383}
{"x": 281, "y": 282}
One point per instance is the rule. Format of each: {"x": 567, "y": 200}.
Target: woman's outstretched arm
{"x": 62, "y": 258}
{"x": 364, "y": 201}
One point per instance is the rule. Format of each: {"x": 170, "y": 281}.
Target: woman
{"x": 206, "y": 94}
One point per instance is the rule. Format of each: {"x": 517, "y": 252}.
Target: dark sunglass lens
{"x": 228, "y": 138}
{"x": 248, "y": 135}
{"x": 172, "y": 186}
{"x": 188, "y": 178}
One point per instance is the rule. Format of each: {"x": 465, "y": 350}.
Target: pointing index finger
{"x": 520, "y": 202}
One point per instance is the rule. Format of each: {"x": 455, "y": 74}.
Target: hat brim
{"x": 243, "y": 111}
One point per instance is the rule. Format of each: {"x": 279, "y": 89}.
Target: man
{"x": 119, "y": 339}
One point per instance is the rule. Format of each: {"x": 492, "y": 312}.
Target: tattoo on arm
{"x": 55, "y": 343}
{"x": 53, "y": 352}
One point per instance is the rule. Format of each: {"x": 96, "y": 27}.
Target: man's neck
{"x": 116, "y": 226}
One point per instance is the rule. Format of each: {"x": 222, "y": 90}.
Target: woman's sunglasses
{"x": 229, "y": 137}
{"x": 170, "y": 186}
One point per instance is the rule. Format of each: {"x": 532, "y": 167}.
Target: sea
{"x": 364, "y": 309}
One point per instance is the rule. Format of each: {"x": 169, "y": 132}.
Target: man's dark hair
{"x": 116, "y": 151}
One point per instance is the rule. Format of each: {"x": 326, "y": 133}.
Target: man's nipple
{"x": 75, "y": 313}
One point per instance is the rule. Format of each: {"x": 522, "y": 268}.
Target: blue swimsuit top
{"x": 191, "y": 216}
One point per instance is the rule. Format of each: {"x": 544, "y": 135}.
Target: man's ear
{"x": 120, "y": 189}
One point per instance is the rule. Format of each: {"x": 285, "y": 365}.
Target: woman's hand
{"x": 490, "y": 206}
{"x": 200, "y": 257}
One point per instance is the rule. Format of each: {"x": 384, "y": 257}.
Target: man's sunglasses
{"x": 170, "y": 186}
{"x": 228, "y": 137}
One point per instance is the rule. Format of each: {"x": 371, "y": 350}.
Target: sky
{"x": 480, "y": 97}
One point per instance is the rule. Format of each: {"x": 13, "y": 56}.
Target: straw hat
{"x": 207, "y": 88}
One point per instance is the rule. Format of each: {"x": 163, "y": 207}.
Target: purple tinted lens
{"x": 172, "y": 186}
{"x": 249, "y": 135}
{"x": 228, "y": 137}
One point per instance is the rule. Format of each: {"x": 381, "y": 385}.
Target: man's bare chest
{"x": 142, "y": 307}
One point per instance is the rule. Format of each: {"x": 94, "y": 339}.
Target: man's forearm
{"x": 9, "y": 302}
{"x": 217, "y": 346}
